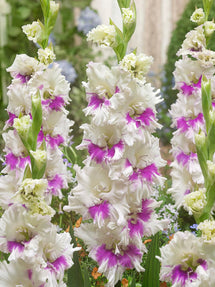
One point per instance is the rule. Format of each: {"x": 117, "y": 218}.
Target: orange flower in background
{"x": 163, "y": 284}
{"x": 67, "y": 230}
{"x": 171, "y": 237}
{"x": 124, "y": 282}
{"x": 78, "y": 222}
{"x": 147, "y": 240}
{"x": 95, "y": 273}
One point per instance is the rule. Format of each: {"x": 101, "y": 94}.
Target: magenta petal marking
{"x": 186, "y": 89}
{"x": 112, "y": 150}
{"x": 60, "y": 263}
{"x": 54, "y": 104}
{"x": 54, "y": 141}
{"x": 146, "y": 117}
{"x": 184, "y": 158}
{"x": 130, "y": 255}
{"x": 55, "y": 184}
{"x": 96, "y": 102}
{"x": 135, "y": 228}
{"x": 23, "y": 160}
{"x": 117, "y": 90}
{"x": 146, "y": 211}
{"x": 11, "y": 119}
{"x": 103, "y": 254}
{"x": 11, "y": 160}
{"x": 134, "y": 176}
{"x": 198, "y": 84}
{"x": 181, "y": 276}
{"x": 149, "y": 172}
{"x": 40, "y": 136}
{"x": 22, "y": 78}
{"x": 127, "y": 163}
{"x": 99, "y": 209}
{"x": 184, "y": 124}
{"x": 40, "y": 87}
{"x": 30, "y": 272}
{"x": 203, "y": 263}
{"x": 96, "y": 152}
{"x": 12, "y": 245}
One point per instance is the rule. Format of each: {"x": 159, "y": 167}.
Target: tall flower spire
{"x": 34, "y": 169}
{"x": 114, "y": 189}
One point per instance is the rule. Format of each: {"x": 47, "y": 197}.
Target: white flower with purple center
{"x": 19, "y": 273}
{"x": 183, "y": 262}
{"x": 112, "y": 247}
{"x": 18, "y": 227}
{"x": 52, "y": 252}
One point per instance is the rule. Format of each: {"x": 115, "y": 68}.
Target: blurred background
{"x": 161, "y": 29}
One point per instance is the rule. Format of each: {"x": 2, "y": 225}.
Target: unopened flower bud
{"x": 103, "y": 35}
{"x": 128, "y": 16}
{"x": 195, "y": 201}
{"x": 207, "y": 228}
{"x": 23, "y": 125}
{"x": 46, "y": 56}
{"x": 33, "y": 31}
{"x": 209, "y": 28}
{"x": 198, "y": 16}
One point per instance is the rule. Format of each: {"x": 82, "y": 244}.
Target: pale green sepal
{"x": 36, "y": 120}
{"x": 210, "y": 195}
{"x": 206, "y": 100}
{"x": 27, "y": 172}
{"x": 202, "y": 153}
{"x": 45, "y": 5}
{"x": 124, "y": 3}
{"x": 120, "y": 47}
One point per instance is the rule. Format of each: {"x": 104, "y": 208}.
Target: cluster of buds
{"x": 34, "y": 169}
{"x": 115, "y": 187}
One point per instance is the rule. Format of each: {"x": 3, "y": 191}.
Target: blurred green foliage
{"x": 183, "y": 26}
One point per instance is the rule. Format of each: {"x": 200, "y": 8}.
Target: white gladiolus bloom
{"x": 19, "y": 98}
{"x": 21, "y": 274}
{"x": 52, "y": 252}
{"x": 103, "y": 35}
{"x": 137, "y": 65}
{"x": 18, "y": 227}
{"x": 25, "y": 66}
{"x": 184, "y": 263}
{"x": 52, "y": 85}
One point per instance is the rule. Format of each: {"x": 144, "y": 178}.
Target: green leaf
{"x": 151, "y": 275}
{"x": 75, "y": 277}
{"x": 133, "y": 282}
{"x": 211, "y": 141}
{"x": 118, "y": 284}
{"x": 86, "y": 276}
